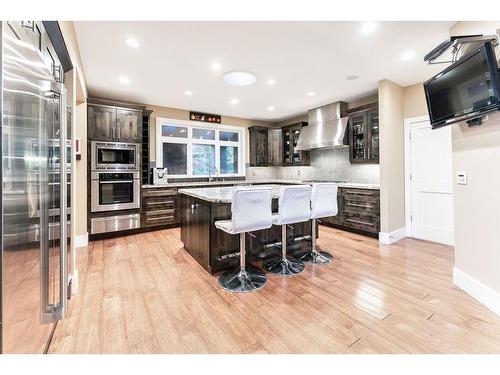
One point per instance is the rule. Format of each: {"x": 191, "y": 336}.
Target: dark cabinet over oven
{"x": 110, "y": 121}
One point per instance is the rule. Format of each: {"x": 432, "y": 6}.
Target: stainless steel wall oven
{"x": 115, "y": 190}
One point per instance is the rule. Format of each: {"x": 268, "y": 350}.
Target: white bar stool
{"x": 323, "y": 204}
{"x": 250, "y": 210}
{"x": 294, "y": 207}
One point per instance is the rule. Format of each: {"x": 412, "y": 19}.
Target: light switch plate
{"x": 462, "y": 178}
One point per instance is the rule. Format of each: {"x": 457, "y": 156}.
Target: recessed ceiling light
{"x": 351, "y": 77}
{"x": 234, "y": 101}
{"x": 124, "y": 80}
{"x": 311, "y": 93}
{"x": 407, "y": 55}
{"x": 271, "y": 82}
{"x": 270, "y": 108}
{"x": 240, "y": 78}
{"x": 368, "y": 27}
{"x": 131, "y": 42}
{"x": 188, "y": 93}
{"x": 216, "y": 67}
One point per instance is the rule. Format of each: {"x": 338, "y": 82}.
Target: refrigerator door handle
{"x": 51, "y": 312}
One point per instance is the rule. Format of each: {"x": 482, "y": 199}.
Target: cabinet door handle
{"x": 360, "y": 222}
{"x": 359, "y": 205}
{"x": 159, "y": 202}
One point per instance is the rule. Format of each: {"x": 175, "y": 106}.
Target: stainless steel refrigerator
{"x": 35, "y": 173}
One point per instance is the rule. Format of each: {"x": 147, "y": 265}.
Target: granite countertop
{"x": 356, "y": 185}
{"x": 222, "y": 194}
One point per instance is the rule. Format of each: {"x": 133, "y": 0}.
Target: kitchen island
{"x": 216, "y": 250}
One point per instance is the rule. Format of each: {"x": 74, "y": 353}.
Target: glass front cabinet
{"x": 364, "y": 135}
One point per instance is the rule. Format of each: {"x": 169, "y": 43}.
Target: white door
{"x": 431, "y": 178}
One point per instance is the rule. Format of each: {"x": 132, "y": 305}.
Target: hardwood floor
{"x": 144, "y": 294}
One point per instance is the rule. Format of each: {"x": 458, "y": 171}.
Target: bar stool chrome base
{"x": 284, "y": 266}
{"x": 242, "y": 281}
{"x": 316, "y": 257}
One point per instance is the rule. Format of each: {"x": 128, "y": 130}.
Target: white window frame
{"x": 189, "y": 141}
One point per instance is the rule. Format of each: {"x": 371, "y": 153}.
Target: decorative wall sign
{"x": 204, "y": 117}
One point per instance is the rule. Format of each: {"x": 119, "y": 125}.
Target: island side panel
{"x": 195, "y": 229}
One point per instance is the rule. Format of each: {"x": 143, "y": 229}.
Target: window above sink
{"x": 195, "y": 149}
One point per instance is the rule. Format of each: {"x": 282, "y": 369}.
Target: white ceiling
{"x": 173, "y": 57}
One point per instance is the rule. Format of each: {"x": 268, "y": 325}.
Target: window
{"x": 194, "y": 149}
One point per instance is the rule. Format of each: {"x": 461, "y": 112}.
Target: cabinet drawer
{"x": 367, "y": 206}
{"x": 360, "y": 193}
{"x": 367, "y": 223}
{"x": 164, "y": 192}
{"x": 159, "y": 217}
{"x": 158, "y": 203}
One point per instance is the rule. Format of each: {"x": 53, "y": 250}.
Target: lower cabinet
{"x": 359, "y": 209}
{"x": 160, "y": 206}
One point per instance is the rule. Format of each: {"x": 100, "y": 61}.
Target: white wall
{"x": 477, "y": 205}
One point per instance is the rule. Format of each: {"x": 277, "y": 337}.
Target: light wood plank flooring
{"x": 144, "y": 294}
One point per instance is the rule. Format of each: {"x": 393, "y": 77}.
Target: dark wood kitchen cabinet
{"x": 160, "y": 207}
{"x": 128, "y": 125}
{"x": 359, "y": 211}
{"x": 291, "y": 156}
{"x": 364, "y": 134}
{"x": 275, "y": 146}
{"x": 258, "y": 146}
{"x": 101, "y": 122}
{"x": 116, "y": 122}
{"x": 266, "y": 146}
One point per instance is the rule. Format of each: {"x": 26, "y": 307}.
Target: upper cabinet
{"x": 101, "y": 122}
{"x": 290, "y": 137}
{"x": 113, "y": 123}
{"x": 275, "y": 147}
{"x": 258, "y": 146}
{"x": 364, "y": 134}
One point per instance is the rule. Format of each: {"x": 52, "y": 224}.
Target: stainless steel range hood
{"x": 326, "y": 128}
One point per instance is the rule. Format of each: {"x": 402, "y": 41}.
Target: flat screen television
{"x": 465, "y": 90}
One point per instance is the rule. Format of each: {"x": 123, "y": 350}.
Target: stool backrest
{"x": 294, "y": 204}
{"x": 324, "y": 200}
{"x": 251, "y": 209}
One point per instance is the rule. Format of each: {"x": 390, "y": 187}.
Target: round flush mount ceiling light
{"x": 131, "y": 42}
{"x": 239, "y": 78}
{"x": 311, "y": 93}
{"x": 368, "y": 27}
{"x": 188, "y": 92}
{"x": 270, "y": 108}
{"x": 271, "y": 82}
{"x": 234, "y": 101}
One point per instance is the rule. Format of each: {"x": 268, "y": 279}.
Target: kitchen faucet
{"x": 210, "y": 169}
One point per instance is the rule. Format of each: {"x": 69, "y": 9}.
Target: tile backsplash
{"x": 330, "y": 164}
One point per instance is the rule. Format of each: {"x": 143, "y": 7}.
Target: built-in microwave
{"x": 112, "y": 191}
{"x": 115, "y": 155}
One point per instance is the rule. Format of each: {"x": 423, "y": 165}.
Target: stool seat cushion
{"x": 225, "y": 225}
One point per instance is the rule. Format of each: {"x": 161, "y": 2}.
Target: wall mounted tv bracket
{"x": 456, "y": 46}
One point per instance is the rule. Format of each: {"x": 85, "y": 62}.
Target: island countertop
{"x": 223, "y": 194}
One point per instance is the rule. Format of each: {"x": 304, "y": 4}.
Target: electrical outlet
{"x": 298, "y": 172}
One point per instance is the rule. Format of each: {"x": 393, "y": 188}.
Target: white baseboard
{"x": 391, "y": 237}
{"x": 82, "y": 240}
{"x": 477, "y": 290}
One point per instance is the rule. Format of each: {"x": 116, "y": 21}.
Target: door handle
{"x": 51, "y": 312}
